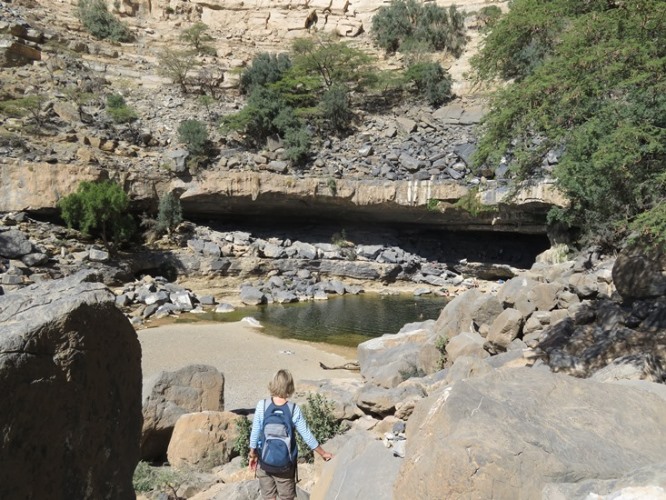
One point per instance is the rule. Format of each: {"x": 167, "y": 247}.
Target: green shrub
{"x": 99, "y": 208}
{"x": 266, "y": 114}
{"x": 29, "y": 105}
{"x": 265, "y": 69}
{"x": 431, "y": 80}
{"x": 408, "y": 21}
{"x": 118, "y": 109}
{"x": 242, "y": 443}
{"x": 147, "y": 478}
{"x": 297, "y": 145}
{"x": 169, "y": 213}
{"x": 335, "y": 107}
{"x": 96, "y": 18}
{"x": 194, "y": 135}
{"x": 318, "y": 413}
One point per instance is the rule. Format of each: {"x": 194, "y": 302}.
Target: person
{"x": 280, "y": 485}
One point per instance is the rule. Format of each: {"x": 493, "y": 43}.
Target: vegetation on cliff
{"x": 588, "y": 80}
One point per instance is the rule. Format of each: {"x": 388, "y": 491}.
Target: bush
{"x": 335, "y": 107}
{"x": 265, "y": 69}
{"x": 158, "y": 479}
{"x": 242, "y": 443}
{"x": 318, "y": 413}
{"x": 431, "y": 80}
{"x": 95, "y": 17}
{"x": 408, "y": 21}
{"x": 265, "y": 114}
{"x": 118, "y": 109}
{"x": 29, "y": 105}
{"x": 101, "y": 208}
{"x": 194, "y": 135}
{"x": 169, "y": 213}
{"x": 297, "y": 145}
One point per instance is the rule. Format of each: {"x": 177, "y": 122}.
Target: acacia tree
{"x": 589, "y": 80}
{"x": 99, "y": 208}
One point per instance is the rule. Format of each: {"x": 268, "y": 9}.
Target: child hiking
{"x": 273, "y": 442}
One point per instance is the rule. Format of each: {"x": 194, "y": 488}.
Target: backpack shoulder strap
{"x": 292, "y": 406}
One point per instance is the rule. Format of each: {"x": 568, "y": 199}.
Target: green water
{"x": 347, "y": 320}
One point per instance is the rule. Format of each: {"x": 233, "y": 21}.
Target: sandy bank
{"x": 246, "y": 357}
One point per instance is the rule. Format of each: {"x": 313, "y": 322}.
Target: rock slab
{"x": 511, "y": 432}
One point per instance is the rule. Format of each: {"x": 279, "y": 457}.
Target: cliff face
{"x": 408, "y": 165}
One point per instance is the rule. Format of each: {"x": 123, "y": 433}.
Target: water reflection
{"x": 346, "y": 320}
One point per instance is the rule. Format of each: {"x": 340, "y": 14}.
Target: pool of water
{"x": 347, "y": 320}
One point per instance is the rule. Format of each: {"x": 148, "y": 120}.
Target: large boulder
{"x": 511, "y": 432}
{"x": 70, "y": 373}
{"x": 168, "y": 395}
{"x": 470, "y": 311}
{"x": 362, "y": 468}
{"x": 388, "y": 360}
{"x": 640, "y": 274}
{"x": 203, "y": 440}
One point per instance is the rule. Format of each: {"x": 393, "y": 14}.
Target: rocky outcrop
{"x": 508, "y": 434}
{"x": 19, "y": 43}
{"x": 40, "y": 186}
{"x": 168, "y": 395}
{"x": 70, "y": 372}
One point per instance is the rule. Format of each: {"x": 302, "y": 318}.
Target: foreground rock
{"x": 508, "y": 434}
{"x": 70, "y": 373}
{"x": 169, "y": 395}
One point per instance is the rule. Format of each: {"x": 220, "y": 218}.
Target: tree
{"x": 590, "y": 81}
{"x": 169, "y": 214}
{"x": 96, "y": 18}
{"x": 333, "y": 62}
{"x": 99, "y": 208}
{"x": 197, "y": 36}
{"x": 175, "y": 64}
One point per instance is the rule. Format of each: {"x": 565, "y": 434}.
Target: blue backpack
{"x": 278, "y": 449}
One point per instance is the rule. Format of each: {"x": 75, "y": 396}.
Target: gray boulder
{"x": 638, "y": 274}
{"x": 388, "y": 360}
{"x": 467, "y": 312}
{"x": 70, "y": 370}
{"x": 362, "y": 469}
{"x": 168, "y": 395}
{"x": 14, "y": 244}
{"x": 252, "y": 296}
{"x": 508, "y": 434}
